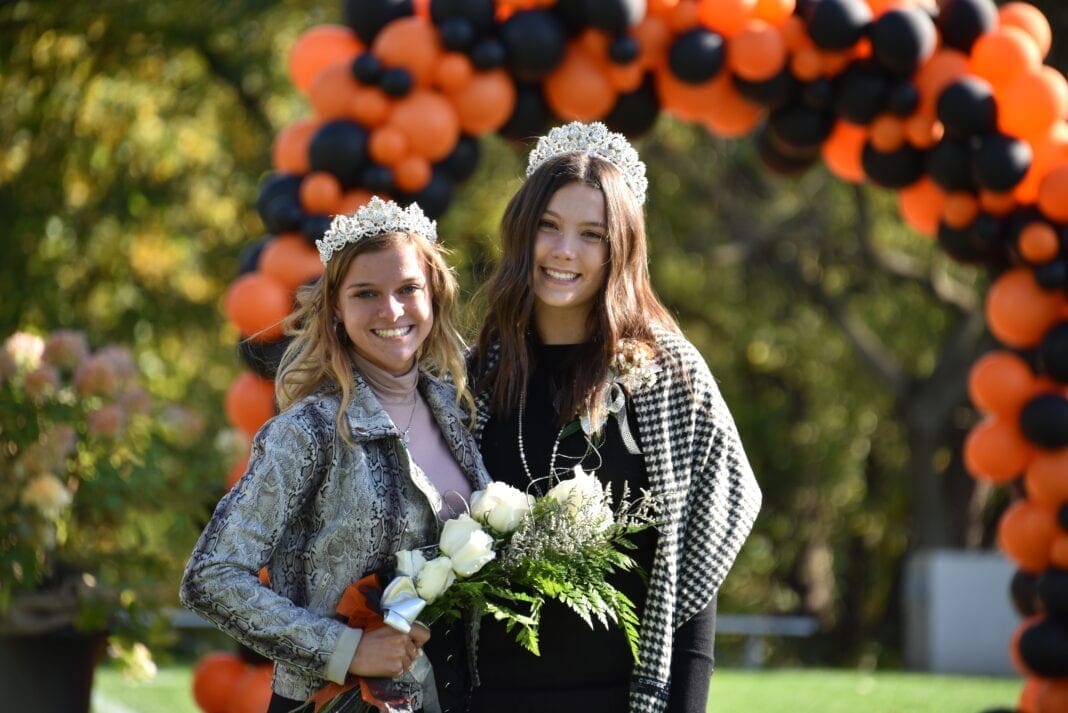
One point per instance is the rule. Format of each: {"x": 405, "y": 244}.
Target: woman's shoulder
{"x": 679, "y": 355}
{"x": 314, "y": 414}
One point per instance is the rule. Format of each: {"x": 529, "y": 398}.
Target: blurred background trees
{"x": 134, "y": 137}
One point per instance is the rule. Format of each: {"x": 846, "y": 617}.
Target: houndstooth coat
{"x": 697, "y": 466}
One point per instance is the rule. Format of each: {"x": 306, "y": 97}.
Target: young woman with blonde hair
{"x": 367, "y": 456}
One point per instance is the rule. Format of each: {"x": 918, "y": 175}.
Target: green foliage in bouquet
{"x": 563, "y": 546}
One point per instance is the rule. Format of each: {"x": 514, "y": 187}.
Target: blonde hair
{"x": 318, "y": 356}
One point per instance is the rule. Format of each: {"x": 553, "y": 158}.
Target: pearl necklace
{"x": 522, "y": 446}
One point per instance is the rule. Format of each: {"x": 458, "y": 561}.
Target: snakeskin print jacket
{"x": 318, "y": 513}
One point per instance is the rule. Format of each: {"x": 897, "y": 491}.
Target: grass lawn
{"x": 771, "y": 691}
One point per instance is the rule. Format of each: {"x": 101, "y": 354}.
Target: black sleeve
{"x": 692, "y": 660}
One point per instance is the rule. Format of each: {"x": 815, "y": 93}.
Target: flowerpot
{"x": 49, "y": 673}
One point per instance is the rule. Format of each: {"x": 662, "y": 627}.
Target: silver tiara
{"x": 374, "y": 218}
{"x": 594, "y": 140}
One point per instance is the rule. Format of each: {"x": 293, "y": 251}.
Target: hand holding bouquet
{"x": 512, "y": 553}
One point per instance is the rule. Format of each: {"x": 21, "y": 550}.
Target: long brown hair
{"x": 319, "y": 353}
{"x": 625, "y": 307}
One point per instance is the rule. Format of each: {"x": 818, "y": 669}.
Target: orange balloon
{"x": 486, "y": 103}
{"x": 370, "y": 106}
{"x": 1018, "y": 311}
{"x": 684, "y": 100}
{"x": 388, "y": 145}
{"x": 658, "y": 8}
{"x": 887, "y": 133}
{"x": 834, "y": 63}
{"x": 757, "y": 52}
{"x": 1046, "y": 478}
{"x": 806, "y": 63}
{"x": 1030, "y": 692}
{"x": 410, "y": 42}
{"x": 1058, "y": 557}
{"x": 843, "y": 149}
{"x": 577, "y": 89}
{"x": 727, "y": 17}
{"x": 960, "y": 209}
{"x": 998, "y": 204}
{"x": 923, "y": 131}
{"x": 1031, "y": 20}
{"x": 793, "y": 32}
{"x": 257, "y": 306}
{"x": 250, "y": 402}
{"x": 1000, "y": 382}
{"x": 654, "y": 38}
{"x": 1039, "y": 243}
{"x": 252, "y": 693}
{"x": 454, "y": 72}
{"x": 1025, "y": 533}
{"x": 320, "y": 192}
{"x": 776, "y": 12}
{"x": 430, "y": 123}
{"x": 352, "y": 201}
{"x": 594, "y": 43}
{"x": 290, "y": 260}
{"x": 214, "y": 677}
{"x": 412, "y": 174}
{"x": 333, "y": 91}
{"x": 1004, "y": 53}
{"x": 625, "y": 78}
{"x": 727, "y": 112}
{"x": 941, "y": 70}
{"x": 289, "y": 153}
{"x": 1053, "y": 194}
{"x": 1031, "y": 104}
{"x": 1048, "y": 152}
{"x": 996, "y": 451}
{"x": 1053, "y": 696}
{"x": 318, "y": 47}
{"x": 921, "y": 205}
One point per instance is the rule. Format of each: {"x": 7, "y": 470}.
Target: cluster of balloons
{"x": 226, "y": 683}
{"x": 948, "y": 103}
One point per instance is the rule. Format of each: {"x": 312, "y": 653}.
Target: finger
{"x": 419, "y": 634}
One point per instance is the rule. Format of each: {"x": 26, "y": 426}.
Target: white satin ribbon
{"x": 401, "y": 604}
{"x": 616, "y": 406}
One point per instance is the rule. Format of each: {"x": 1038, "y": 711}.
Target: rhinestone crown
{"x": 374, "y": 218}
{"x": 594, "y": 140}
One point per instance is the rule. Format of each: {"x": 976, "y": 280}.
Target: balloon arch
{"x": 949, "y": 104}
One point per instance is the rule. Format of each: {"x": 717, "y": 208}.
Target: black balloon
{"x": 1044, "y": 421}
{"x": 1024, "y": 592}
{"x": 818, "y": 94}
{"x": 774, "y": 93}
{"x": 397, "y": 81}
{"x": 1052, "y": 589}
{"x": 488, "y": 54}
{"x": 367, "y": 69}
{"x": 435, "y": 197}
{"x": 798, "y": 130}
{"x": 988, "y": 237}
{"x": 902, "y": 39}
{"x": 967, "y": 108}
{"x": 861, "y": 92}
{"x": 1053, "y": 275}
{"x": 837, "y": 24}
{"x": 313, "y": 226}
{"x": 531, "y": 115}
{"x": 534, "y": 44}
{"x": 949, "y": 164}
{"x": 367, "y": 17}
{"x": 624, "y": 49}
{"x": 614, "y": 16}
{"x": 279, "y": 202}
{"x": 895, "y": 169}
{"x": 961, "y": 22}
{"x": 1062, "y": 516}
{"x": 1053, "y": 352}
{"x": 463, "y": 160}
{"x": 697, "y": 56}
{"x": 339, "y": 147}
{"x": 248, "y": 260}
{"x": 573, "y": 13}
{"x": 480, "y": 13}
{"x": 1000, "y": 162}
{"x": 1044, "y": 648}
{"x": 263, "y": 358}
{"x": 635, "y": 112}
{"x": 903, "y": 99}
{"x": 960, "y": 243}
{"x": 377, "y": 179}
{"x": 457, "y": 34}
{"x": 779, "y": 161}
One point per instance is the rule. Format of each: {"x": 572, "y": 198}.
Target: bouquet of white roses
{"x": 513, "y": 552}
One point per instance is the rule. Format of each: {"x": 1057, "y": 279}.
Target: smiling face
{"x": 570, "y": 262}
{"x": 385, "y": 305}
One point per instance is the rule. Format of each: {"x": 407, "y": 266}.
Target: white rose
{"x": 474, "y": 555}
{"x": 501, "y": 506}
{"x": 456, "y": 532}
{"x": 434, "y": 578}
{"x": 409, "y": 562}
{"x": 583, "y": 496}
